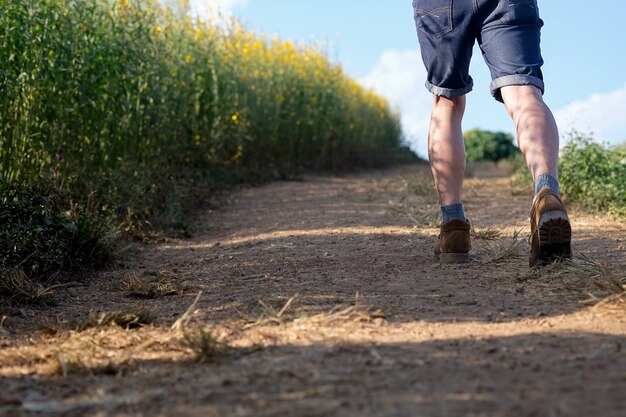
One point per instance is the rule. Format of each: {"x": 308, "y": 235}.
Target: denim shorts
{"x": 508, "y": 33}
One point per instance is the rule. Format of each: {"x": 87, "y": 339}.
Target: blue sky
{"x": 375, "y": 41}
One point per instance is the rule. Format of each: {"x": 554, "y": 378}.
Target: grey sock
{"x": 546, "y": 181}
{"x": 453, "y": 212}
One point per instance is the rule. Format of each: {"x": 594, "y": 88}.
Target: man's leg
{"x": 446, "y": 151}
{"x": 538, "y": 139}
{"x": 537, "y": 134}
{"x": 447, "y": 32}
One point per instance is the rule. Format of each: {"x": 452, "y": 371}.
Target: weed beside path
{"x": 320, "y": 297}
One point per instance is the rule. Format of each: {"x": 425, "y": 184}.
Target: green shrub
{"x": 593, "y": 175}
{"x": 39, "y": 238}
{"x": 590, "y": 174}
{"x": 483, "y": 145}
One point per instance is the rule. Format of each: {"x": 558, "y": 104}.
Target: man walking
{"x": 508, "y": 33}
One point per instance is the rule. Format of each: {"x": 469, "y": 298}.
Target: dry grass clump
{"x": 353, "y": 313}
{"x": 612, "y": 284}
{"x": 101, "y": 346}
{"x": 132, "y": 318}
{"x": 78, "y": 365}
{"x": 357, "y": 312}
{"x": 16, "y": 286}
{"x": 583, "y": 274}
{"x": 268, "y": 314}
{"x": 502, "y": 249}
{"x": 94, "y": 352}
{"x": 204, "y": 344}
{"x": 609, "y": 286}
{"x": 150, "y": 285}
{"x": 127, "y": 319}
{"x": 485, "y": 233}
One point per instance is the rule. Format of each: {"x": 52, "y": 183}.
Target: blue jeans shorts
{"x": 507, "y": 31}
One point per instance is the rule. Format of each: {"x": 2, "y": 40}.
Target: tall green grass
{"x": 115, "y": 104}
{"x": 91, "y": 87}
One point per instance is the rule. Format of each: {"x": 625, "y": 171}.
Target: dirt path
{"x": 320, "y": 298}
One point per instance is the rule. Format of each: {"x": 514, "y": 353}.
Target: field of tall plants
{"x": 112, "y": 106}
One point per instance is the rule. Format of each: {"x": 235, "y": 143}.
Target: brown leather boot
{"x": 454, "y": 243}
{"x": 551, "y": 231}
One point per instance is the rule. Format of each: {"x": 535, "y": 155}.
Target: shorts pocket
{"x": 519, "y": 11}
{"x": 433, "y": 17}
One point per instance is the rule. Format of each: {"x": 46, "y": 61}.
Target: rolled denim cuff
{"x": 448, "y": 92}
{"x": 507, "y": 80}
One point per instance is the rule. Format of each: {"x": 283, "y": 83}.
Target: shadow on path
{"x": 578, "y": 374}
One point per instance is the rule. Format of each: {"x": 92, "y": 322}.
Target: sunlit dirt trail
{"x": 320, "y": 297}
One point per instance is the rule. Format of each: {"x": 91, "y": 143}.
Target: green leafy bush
{"x": 594, "y": 175}
{"x": 590, "y": 174}
{"x": 483, "y": 145}
{"x": 39, "y": 238}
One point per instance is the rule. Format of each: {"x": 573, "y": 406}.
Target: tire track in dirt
{"x": 373, "y": 328}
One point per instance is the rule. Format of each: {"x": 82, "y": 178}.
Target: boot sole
{"x": 555, "y": 237}
{"x": 452, "y": 258}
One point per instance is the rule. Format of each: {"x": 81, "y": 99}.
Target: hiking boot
{"x": 454, "y": 243}
{"x": 550, "y": 230}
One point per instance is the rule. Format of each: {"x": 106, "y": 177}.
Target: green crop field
{"x": 112, "y": 107}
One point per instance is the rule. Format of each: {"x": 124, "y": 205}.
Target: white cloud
{"x": 602, "y": 114}
{"x": 208, "y": 8}
{"x": 201, "y": 6}
{"x": 399, "y": 76}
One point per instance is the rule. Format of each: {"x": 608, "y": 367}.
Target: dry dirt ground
{"x": 319, "y": 297}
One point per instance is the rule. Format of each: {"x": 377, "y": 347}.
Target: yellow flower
{"x": 238, "y": 154}
{"x": 188, "y": 58}
{"x": 198, "y": 35}
{"x": 235, "y": 118}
